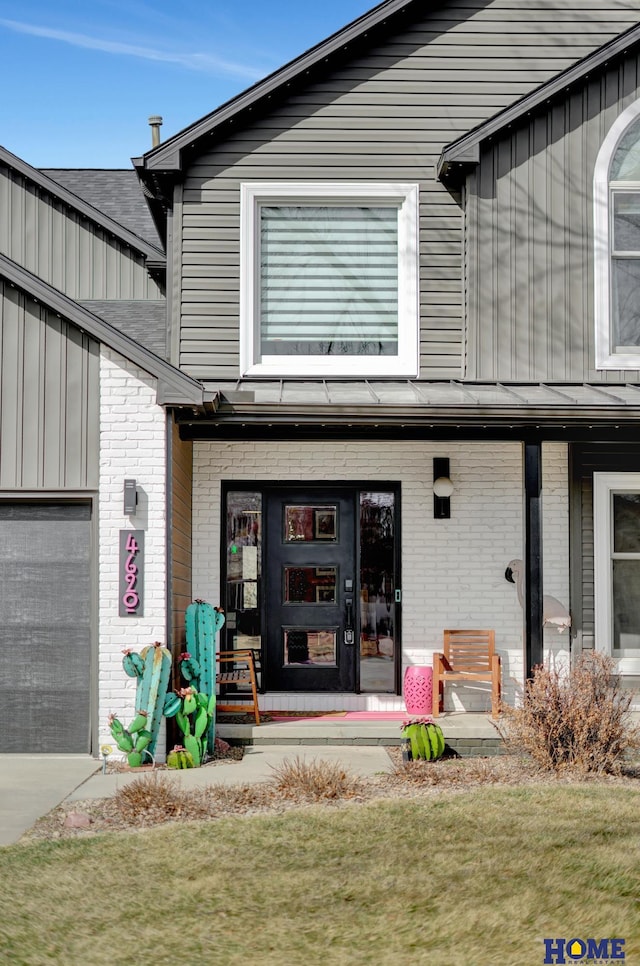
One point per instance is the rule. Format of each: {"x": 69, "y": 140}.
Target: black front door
{"x": 311, "y": 592}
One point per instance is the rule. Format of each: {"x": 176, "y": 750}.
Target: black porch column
{"x": 533, "y": 554}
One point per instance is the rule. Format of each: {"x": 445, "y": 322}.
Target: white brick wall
{"x": 453, "y": 570}
{"x": 132, "y": 444}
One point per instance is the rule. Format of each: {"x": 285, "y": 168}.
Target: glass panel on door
{"x": 308, "y": 647}
{"x": 244, "y": 564}
{"x": 377, "y": 592}
{"x": 308, "y": 524}
{"x": 310, "y": 585}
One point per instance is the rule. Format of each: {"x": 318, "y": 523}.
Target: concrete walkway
{"x": 32, "y": 786}
{"x": 256, "y": 766}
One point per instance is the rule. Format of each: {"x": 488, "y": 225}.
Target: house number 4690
{"x": 131, "y": 573}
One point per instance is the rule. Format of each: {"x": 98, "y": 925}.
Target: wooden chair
{"x": 468, "y": 656}
{"x": 238, "y": 668}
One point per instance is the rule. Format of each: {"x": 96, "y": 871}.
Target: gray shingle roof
{"x": 143, "y": 321}
{"x": 117, "y": 193}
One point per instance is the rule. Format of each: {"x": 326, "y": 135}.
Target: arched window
{"x": 617, "y": 244}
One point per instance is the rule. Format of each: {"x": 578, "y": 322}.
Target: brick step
{"x": 468, "y": 734}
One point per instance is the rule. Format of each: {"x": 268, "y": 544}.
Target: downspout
{"x": 532, "y": 458}
{"x": 169, "y": 530}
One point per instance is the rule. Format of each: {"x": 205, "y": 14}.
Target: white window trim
{"x": 405, "y": 363}
{"x": 606, "y": 358}
{"x": 604, "y": 486}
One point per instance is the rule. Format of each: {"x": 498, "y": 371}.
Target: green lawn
{"x": 471, "y": 879}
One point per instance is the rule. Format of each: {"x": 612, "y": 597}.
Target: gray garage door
{"x": 45, "y": 640}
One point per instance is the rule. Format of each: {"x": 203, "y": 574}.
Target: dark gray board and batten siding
{"x": 385, "y": 116}
{"x": 49, "y": 437}
{"x": 49, "y": 399}
{"x": 64, "y": 248}
{"x": 530, "y": 268}
{"x": 586, "y": 459}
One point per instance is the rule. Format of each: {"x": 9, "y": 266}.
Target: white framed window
{"x": 329, "y": 280}
{"x": 616, "y": 512}
{"x": 616, "y": 216}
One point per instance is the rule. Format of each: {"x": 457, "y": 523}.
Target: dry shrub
{"x": 576, "y": 719}
{"x": 157, "y": 798}
{"x": 153, "y": 799}
{"x": 315, "y": 781}
{"x": 462, "y": 772}
{"x": 227, "y": 799}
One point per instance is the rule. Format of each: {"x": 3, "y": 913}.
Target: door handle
{"x": 349, "y": 636}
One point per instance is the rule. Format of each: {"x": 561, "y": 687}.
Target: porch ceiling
{"x": 414, "y": 407}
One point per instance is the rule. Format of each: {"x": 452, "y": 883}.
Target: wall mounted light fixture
{"x": 442, "y": 489}
{"x": 130, "y": 497}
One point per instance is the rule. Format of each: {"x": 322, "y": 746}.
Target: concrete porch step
{"x": 466, "y": 733}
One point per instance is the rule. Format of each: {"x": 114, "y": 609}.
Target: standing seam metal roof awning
{"x": 327, "y": 394}
{"x": 408, "y": 402}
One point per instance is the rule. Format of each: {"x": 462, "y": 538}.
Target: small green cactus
{"x": 133, "y": 664}
{"x": 189, "y": 667}
{"x": 422, "y": 739}
{"x": 179, "y": 758}
{"x": 193, "y": 712}
{"x": 134, "y": 740}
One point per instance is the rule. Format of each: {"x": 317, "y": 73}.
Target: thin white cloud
{"x": 195, "y": 61}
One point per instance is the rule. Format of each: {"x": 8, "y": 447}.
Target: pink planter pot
{"x": 418, "y": 689}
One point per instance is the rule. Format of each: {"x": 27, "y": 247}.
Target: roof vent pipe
{"x": 155, "y": 122}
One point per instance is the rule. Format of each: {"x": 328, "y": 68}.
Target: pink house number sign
{"x": 130, "y": 597}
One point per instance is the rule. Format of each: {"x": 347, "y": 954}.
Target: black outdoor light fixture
{"x": 442, "y": 489}
{"x": 130, "y": 497}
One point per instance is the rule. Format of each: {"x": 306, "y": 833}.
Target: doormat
{"x": 297, "y": 715}
{"x": 223, "y": 717}
{"x": 376, "y": 715}
{"x": 282, "y": 717}
{"x": 345, "y": 715}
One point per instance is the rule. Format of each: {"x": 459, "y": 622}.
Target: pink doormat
{"x": 277, "y": 716}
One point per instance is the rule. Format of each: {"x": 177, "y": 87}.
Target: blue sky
{"x": 80, "y": 77}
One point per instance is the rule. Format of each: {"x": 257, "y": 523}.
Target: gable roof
{"x": 460, "y": 155}
{"x": 174, "y": 386}
{"x": 153, "y": 253}
{"x": 168, "y": 156}
{"x": 114, "y": 192}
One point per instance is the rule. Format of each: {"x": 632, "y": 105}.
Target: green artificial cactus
{"x": 134, "y": 740}
{"x": 422, "y": 739}
{"x": 179, "y": 758}
{"x": 198, "y": 663}
{"x": 194, "y": 712}
{"x": 152, "y": 670}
